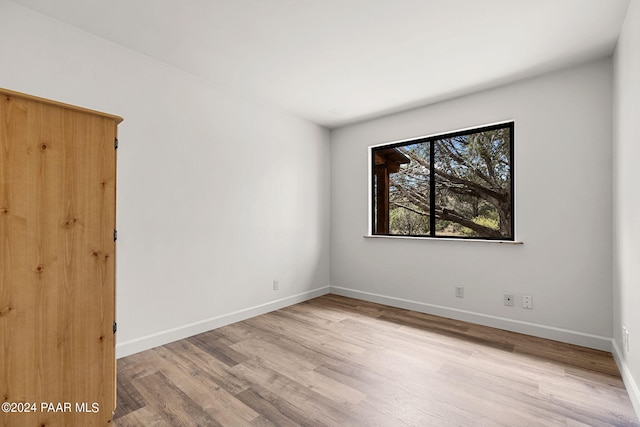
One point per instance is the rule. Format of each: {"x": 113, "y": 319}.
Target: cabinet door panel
{"x": 57, "y": 263}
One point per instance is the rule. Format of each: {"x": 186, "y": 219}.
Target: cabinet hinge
{"x": 115, "y": 327}
{"x": 115, "y": 235}
{"x": 115, "y": 144}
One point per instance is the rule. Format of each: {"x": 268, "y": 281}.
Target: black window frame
{"x": 510, "y": 125}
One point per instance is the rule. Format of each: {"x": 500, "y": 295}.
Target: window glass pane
{"x": 409, "y": 192}
{"x": 473, "y": 185}
{"x": 450, "y": 185}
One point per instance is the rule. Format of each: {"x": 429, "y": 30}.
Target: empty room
{"x": 319, "y": 213}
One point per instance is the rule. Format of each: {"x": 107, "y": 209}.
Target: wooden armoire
{"x": 57, "y": 263}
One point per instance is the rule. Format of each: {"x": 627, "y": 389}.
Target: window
{"x": 456, "y": 185}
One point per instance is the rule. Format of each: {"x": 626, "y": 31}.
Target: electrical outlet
{"x": 527, "y": 301}
{"x": 459, "y": 291}
{"x": 625, "y": 338}
{"x": 508, "y": 299}
{"x": 276, "y": 284}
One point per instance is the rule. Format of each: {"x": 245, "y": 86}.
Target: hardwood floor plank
{"x": 595, "y": 360}
{"x": 212, "y": 368}
{"x": 172, "y": 404}
{"x": 336, "y": 361}
{"x": 597, "y": 404}
{"x": 218, "y": 348}
{"x": 513, "y": 399}
{"x": 271, "y": 413}
{"x": 146, "y": 416}
{"x": 128, "y": 399}
{"x": 311, "y": 379}
{"x": 304, "y": 405}
{"x": 220, "y": 404}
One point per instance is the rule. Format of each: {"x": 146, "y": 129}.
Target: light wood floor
{"x": 336, "y": 361}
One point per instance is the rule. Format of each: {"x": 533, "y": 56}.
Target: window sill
{"x": 504, "y": 242}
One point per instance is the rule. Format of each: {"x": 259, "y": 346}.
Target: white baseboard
{"x": 542, "y": 331}
{"x": 140, "y": 344}
{"x": 144, "y": 343}
{"x": 629, "y": 382}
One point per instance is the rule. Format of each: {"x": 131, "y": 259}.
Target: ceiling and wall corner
{"x": 336, "y": 62}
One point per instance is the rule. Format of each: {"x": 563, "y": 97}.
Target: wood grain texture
{"x": 336, "y": 361}
{"x": 57, "y": 261}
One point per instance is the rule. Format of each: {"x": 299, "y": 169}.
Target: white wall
{"x": 218, "y": 194}
{"x": 626, "y": 261}
{"x": 563, "y": 214}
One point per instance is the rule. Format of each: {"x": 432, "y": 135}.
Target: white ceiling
{"x": 340, "y": 61}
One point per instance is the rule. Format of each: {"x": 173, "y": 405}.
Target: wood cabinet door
{"x": 57, "y": 263}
